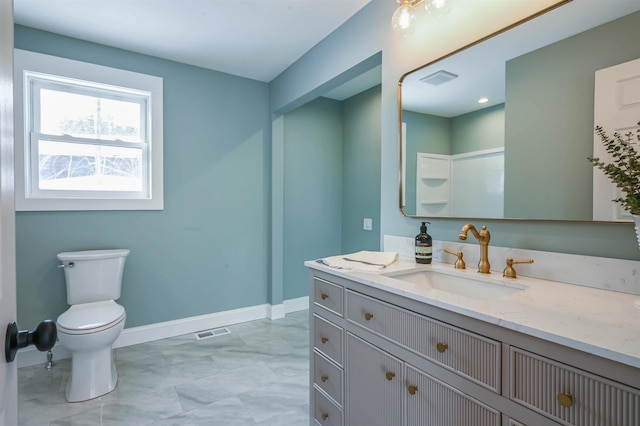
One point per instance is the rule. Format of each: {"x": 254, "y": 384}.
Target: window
{"x": 92, "y": 136}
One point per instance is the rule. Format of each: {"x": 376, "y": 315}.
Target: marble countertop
{"x": 602, "y": 322}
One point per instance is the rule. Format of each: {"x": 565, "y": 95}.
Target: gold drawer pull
{"x": 442, "y": 347}
{"x": 390, "y": 375}
{"x": 565, "y": 399}
{"x": 412, "y": 389}
{"x": 325, "y": 416}
{"x": 324, "y": 296}
{"x": 324, "y": 378}
{"x": 324, "y": 340}
{"x": 368, "y": 315}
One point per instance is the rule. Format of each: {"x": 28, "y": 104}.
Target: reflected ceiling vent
{"x": 439, "y": 77}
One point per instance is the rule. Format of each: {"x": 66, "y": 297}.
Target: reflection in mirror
{"x": 503, "y": 128}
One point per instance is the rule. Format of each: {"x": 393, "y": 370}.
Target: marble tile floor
{"x": 255, "y": 376}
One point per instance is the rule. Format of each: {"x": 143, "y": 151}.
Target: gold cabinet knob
{"x": 324, "y": 296}
{"x": 324, "y": 340}
{"x": 325, "y": 416}
{"x": 412, "y": 389}
{"x": 441, "y": 347}
{"x": 324, "y": 378}
{"x": 368, "y": 315}
{"x": 390, "y": 375}
{"x": 565, "y": 399}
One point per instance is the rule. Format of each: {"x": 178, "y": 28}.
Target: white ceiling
{"x": 256, "y": 39}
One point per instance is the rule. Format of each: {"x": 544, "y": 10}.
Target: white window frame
{"x": 27, "y": 196}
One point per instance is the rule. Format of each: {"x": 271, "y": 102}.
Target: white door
{"x": 8, "y": 371}
{"x": 616, "y": 109}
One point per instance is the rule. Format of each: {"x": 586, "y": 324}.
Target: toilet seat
{"x": 90, "y": 318}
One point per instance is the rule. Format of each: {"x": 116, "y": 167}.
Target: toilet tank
{"x": 93, "y": 275}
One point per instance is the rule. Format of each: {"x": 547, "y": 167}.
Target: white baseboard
{"x": 148, "y": 333}
{"x": 295, "y": 305}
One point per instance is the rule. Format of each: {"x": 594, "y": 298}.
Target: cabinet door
{"x": 374, "y": 385}
{"x": 431, "y": 402}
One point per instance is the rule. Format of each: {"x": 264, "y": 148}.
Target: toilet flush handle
{"x": 68, "y": 265}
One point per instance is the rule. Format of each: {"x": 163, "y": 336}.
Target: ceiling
{"x": 256, "y": 39}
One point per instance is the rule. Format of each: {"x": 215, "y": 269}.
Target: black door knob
{"x": 43, "y": 337}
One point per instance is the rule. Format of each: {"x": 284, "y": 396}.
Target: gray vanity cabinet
{"x": 374, "y": 385}
{"x": 377, "y": 383}
{"x": 381, "y": 359}
{"x": 433, "y": 402}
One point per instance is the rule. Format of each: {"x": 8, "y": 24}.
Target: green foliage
{"x": 624, "y": 171}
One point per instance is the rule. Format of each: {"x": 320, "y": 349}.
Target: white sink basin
{"x": 482, "y": 288}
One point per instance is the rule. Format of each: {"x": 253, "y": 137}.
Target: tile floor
{"x": 256, "y": 375}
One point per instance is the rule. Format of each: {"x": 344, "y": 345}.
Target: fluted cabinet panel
{"x": 431, "y": 402}
{"x": 468, "y": 354}
{"x": 374, "y": 384}
{"x": 569, "y": 395}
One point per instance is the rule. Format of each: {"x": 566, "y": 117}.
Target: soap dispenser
{"x": 424, "y": 247}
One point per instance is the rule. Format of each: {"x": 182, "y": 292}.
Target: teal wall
{"x": 331, "y": 182}
{"x": 478, "y": 130}
{"x": 424, "y": 133}
{"x": 361, "y": 171}
{"x": 550, "y": 115}
{"x": 346, "y": 48}
{"x": 312, "y": 189}
{"x": 207, "y": 250}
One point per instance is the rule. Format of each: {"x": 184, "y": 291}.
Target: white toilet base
{"x": 96, "y": 375}
{"x": 93, "y": 372}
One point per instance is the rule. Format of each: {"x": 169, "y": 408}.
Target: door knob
{"x": 43, "y": 337}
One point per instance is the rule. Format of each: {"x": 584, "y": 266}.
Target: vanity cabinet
{"x": 375, "y": 382}
{"x": 569, "y": 395}
{"x": 327, "y": 357}
{"x": 468, "y": 354}
{"x": 381, "y": 359}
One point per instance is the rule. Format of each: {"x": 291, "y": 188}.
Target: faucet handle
{"x": 509, "y": 272}
{"x": 459, "y": 263}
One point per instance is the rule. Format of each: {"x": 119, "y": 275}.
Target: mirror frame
{"x": 401, "y": 186}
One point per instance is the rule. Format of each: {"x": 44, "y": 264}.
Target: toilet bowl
{"x": 94, "y": 321}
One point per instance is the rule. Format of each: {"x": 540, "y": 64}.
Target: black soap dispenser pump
{"x": 424, "y": 246}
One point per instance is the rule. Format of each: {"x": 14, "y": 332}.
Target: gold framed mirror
{"x": 523, "y": 153}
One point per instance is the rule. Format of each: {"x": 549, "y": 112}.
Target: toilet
{"x": 94, "y": 321}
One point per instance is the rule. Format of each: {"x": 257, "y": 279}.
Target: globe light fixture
{"x": 403, "y": 18}
{"x": 438, "y": 8}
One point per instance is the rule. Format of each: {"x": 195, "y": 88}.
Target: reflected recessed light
{"x": 483, "y": 100}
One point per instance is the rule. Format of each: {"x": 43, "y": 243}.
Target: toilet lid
{"x": 90, "y": 317}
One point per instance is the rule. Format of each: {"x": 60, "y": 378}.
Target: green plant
{"x": 624, "y": 171}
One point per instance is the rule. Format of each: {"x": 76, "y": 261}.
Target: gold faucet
{"x": 483, "y": 238}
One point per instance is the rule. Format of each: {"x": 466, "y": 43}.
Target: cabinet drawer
{"x": 326, "y": 413}
{"x": 473, "y": 356}
{"x": 327, "y": 295}
{"x": 328, "y": 377}
{"x": 569, "y": 395}
{"x": 327, "y": 339}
